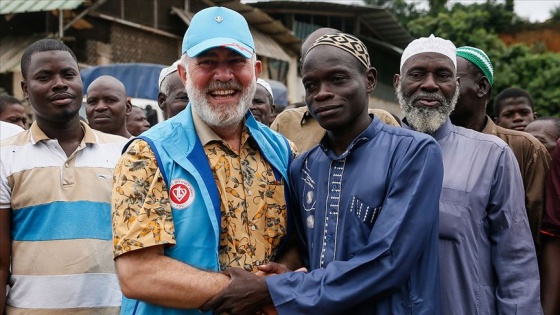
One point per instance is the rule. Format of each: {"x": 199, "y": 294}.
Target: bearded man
{"x": 204, "y": 190}
{"x": 487, "y": 257}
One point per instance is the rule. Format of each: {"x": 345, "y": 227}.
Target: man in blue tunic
{"x": 367, "y": 197}
{"x": 486, "y": 252}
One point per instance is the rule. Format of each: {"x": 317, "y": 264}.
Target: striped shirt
{"x": 61, "y": 223}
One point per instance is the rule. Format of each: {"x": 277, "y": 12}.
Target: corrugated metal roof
{"x": 265, "y": 45}
{"x": 12, "y": 50}
{"x": 20, "y": 6}
{"x": 378, "y": 20}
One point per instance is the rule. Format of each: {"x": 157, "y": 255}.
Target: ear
{"x": 182, "y": 73}
{"x": 258, "y": 68}
{"x": 496, "y": 120}
{"x": 24, "y": 89}
{"x": 272, "y": 108}
{"x": 535, "y": 116}
{"x": 483, "y": 86}
{"x": 396, "y": 79}
{"x": 371, "y": 76}
{"x": 160, "y": 100}
{"x": 128, "y": 107}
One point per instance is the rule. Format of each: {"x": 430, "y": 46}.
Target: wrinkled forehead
{"x": 429, "y": 60}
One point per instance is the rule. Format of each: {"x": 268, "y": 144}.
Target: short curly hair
{"x": 509, "y": 93}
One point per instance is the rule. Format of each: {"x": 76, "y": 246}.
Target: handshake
{"x": 246, "y": 293}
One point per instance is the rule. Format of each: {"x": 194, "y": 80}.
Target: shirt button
{"x": 329, "y": 238}
{"x": 66, "y": 165}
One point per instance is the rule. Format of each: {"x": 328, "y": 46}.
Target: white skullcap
{"x": 267, "y": 87}
{"x": 430, "y": 44}
{"x": 167, "y": 71}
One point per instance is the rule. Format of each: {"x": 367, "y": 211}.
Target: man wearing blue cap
{"x": 204, "y": 190}
{"x": 477, "y": 76}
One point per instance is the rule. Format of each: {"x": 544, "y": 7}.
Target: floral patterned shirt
{"x": 253, "y": 205}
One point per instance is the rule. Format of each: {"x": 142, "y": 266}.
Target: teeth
{"x": 223, "y": 92}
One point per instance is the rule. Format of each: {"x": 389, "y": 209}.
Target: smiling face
{"x": 261, "y": 106}
{"x": 53, "y": 86}
{"x": 427, "y": 90}
{"x": 220, "y": 84}
{"x": 336, "y": 88}
{"x": 106, "y": 105}
{"x": 15, "y": 114}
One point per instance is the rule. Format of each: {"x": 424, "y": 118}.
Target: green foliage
{"x": 555, "y": 14}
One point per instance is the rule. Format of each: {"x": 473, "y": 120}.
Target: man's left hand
{"x": 245, "y": 294}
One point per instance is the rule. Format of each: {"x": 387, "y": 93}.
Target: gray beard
{"x": 425, "y": 119}
{"x": 225, "y": 116}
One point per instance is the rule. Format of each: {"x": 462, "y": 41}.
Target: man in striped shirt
{"x": 55, "y": 188}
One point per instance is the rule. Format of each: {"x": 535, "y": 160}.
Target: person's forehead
{"x": 516, "y": 103}
{"x": 261, "y": 91}
{"x": 64, "y": 58}
{"x": 432, "y": 60}
{"x": 219, "y": 51}
{"x": 106, "y": 87}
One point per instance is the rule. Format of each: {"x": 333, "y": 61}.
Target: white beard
{"x": 425, "y": 119}
{"x": 225, "y": 115}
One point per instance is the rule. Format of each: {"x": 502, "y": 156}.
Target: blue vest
{"x": 180, "y": 155}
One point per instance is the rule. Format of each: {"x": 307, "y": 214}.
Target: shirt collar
{"x": 371, "y": 131}
{"x": 38, "y": 135}
{"x": 490, "y": 127}
{"x": 206, "y": 134}
{"x": 306, "y": 116}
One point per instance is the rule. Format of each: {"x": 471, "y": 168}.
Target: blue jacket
{"x": 180, "y": 155}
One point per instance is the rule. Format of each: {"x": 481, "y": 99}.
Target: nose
{"x": 517, "y": 117}
{"x": 429, "y": 83}
{"x": 223, "y": 72}
{"x": 324, "y": 92}
{"x": 100, "y": 106}
{"x": 60, "y": 83}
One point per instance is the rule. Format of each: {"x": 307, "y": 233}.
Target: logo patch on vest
{"x": 181, "y": 193}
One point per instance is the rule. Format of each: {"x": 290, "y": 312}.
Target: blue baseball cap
{"x": 218, "y": 27}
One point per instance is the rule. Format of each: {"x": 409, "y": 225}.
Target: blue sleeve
{"x": 406, "y": 227}
{"x": 513, "y": 252}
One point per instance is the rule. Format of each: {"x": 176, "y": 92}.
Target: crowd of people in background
{"x": 234, "y": 204}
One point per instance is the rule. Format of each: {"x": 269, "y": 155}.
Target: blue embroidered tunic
{"x": 369, "y": 219}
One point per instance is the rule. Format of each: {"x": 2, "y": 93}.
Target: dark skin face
{"x": 470, "y": 111}
{"x": 173, "y": 98}
{"x": 261, "y": 107}
{"x": 545, "y": 132}
{"x": 516, "y": 113}
{"x": 136, "y": 122}
{"x": 107, "y": 107}
{"x": 53, "y": 87}
{"x": 427, "y": 73}
{"x": 14, "y": 114}
{"x": 336, "y": 93}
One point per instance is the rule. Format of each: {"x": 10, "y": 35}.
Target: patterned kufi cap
{"x": 346, "y": 42}
{"x": 479, "y": 58}
{"x": 430, "y": 44}
{"x": 266, "y": 86}
{"x": 166, "y": 72}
